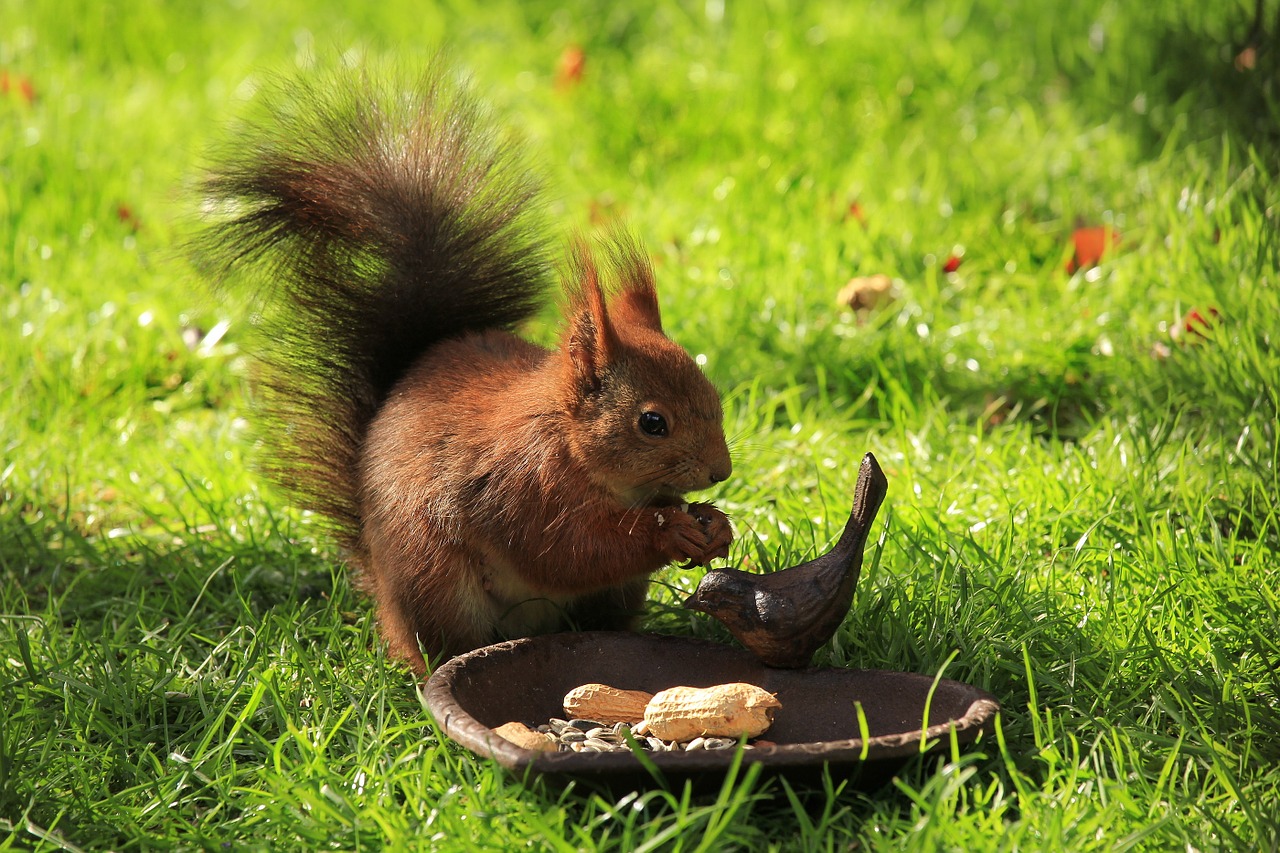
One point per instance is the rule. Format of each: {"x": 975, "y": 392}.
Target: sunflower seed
{"x": 591, "y": 736}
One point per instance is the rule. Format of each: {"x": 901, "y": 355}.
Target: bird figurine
{"x": 783, "y": 617}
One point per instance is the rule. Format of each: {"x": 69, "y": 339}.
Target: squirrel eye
{"x": 653, "y": 423}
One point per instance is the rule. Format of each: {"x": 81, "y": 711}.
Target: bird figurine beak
{"x": 783, "y": 617}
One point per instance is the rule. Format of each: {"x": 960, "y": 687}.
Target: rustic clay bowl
{"x": 817, "y": 726}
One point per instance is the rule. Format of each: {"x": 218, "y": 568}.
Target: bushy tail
{"x": 376, "y": 222}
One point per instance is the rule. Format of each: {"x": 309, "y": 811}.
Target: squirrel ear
{"x": 637, "y": 304}
{"x": 590, "y": 341}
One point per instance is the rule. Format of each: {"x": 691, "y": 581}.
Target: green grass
{"x": 1087, "y": 530}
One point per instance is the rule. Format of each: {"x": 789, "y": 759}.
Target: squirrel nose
{"x": 719, "y": 465}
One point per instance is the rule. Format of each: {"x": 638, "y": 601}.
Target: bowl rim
{"x": 461, "y": 726}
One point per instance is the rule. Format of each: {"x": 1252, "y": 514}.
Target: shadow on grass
{"x": 1199, "y": 74}
{"x": 895, "y": 381}
{"x": 1195, "y": 83}
{"x": 60, "y": 563}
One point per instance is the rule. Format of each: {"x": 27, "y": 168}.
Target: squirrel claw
{"x": 697, "y": 535}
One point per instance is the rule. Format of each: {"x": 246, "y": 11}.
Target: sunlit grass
{"x": 1082, "y": 517}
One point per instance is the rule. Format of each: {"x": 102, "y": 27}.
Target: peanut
{"x": 525, "y": 737}
{"x": 725, "y": 710}
{"x": 606, "y": 704}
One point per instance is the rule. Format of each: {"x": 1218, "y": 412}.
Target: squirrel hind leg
{"x": 422, "y": 617}
{"x": 405, "y": 639}
{"x": 426, "y": 633}
{"x": 402, "y": 641}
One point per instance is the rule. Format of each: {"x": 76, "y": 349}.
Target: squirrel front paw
{"x": 719, "y": 531}
{"x": 697, "y": 534}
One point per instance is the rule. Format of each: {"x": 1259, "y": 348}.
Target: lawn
{"x": 1084, "y": 506}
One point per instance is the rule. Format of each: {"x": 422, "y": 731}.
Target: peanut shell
{"x": 606, "y": 704}
{"x": 725, "y": 710}
{"x": 525, "y": 737}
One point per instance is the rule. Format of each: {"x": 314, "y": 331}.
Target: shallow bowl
{"x": 817, "y": 726}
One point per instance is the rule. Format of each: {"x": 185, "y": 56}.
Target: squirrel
{"x": 482, "y": 486}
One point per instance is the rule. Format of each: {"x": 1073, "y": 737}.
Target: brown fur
{"x": 512, "y": 482}
{"x": 485, "y": 487}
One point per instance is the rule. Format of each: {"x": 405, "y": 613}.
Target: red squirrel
{"x": 484, "y": 487}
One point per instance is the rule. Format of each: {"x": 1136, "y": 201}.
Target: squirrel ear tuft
{"x": 637, "y": 303}
{"x": 590, "y": 341}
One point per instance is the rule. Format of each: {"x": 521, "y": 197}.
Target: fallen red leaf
{"x": 573, "y": 61}
{"x": 952, "y": 264}
{"x": 1194, "y": 325}
{"x": 126, "y": 215}
{"x": 22, "y": 86}
{"x": 1091, "y": 244}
